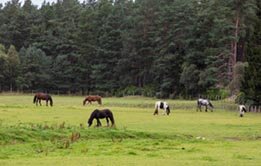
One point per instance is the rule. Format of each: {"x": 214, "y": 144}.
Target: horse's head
{"x": 210, "y": 105}
{"x": 35, "y": 98}
{"x": 93, "y": 115}
{"x": 51, "y": 100}
{"x": 85, "y": 100}
{"x": 90, "y": 122}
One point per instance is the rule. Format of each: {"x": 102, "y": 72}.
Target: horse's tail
{"x": 198, "y": 102}
{"x": 35, "y": 97}
{"x": 51, "y": 100}
{"x": 112, "y": 119}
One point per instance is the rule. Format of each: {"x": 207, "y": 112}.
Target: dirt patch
{"x": 232, "y": 138}
{"x": 258, "y": 138}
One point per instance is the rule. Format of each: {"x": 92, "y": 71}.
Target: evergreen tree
{"x": 13, "y": 65}
{"x": 251, "y": 85}
{"x": 36, "y": 69}
{"x": 3, "y": 67}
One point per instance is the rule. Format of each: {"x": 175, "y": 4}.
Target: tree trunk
{"x": 234, "y": 48}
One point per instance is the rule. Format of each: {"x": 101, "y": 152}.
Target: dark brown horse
{"x": 100, "y": 114}
{"x": 42, "y": 96}
{"x": 90, "y": 99}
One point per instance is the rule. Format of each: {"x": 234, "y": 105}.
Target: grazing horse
{"x": 92, "y": 98}
{"x": 42, "y": 96}
{"x": 242, "y": 110}
{"x": 161, "y": 105}
{"x": 206, "y": 103}
{"x": 100, "y": 114}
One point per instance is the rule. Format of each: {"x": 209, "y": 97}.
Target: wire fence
{"x": 189, "y": 104}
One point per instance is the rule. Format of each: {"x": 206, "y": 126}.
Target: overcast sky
{"x": 35, "y": 2}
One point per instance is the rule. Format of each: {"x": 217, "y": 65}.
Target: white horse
{"x": 242, "y": 110}
{"x": 162, "y": 105}
{"x": 206, "y": 103}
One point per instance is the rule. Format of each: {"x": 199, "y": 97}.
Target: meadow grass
{"x": 31, "y": 135}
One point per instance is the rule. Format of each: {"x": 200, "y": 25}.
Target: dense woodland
{"x": 162, "y": 48}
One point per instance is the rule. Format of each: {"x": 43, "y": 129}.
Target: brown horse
{"x": 92, "y": 98}
{"x": 42, "y": 96}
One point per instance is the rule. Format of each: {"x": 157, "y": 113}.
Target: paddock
{"x": 42, "y": 135}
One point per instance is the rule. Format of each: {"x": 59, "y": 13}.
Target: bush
{"x": 148, "y": 91}
{"x": 161, "y": 95}
{"x": 215, "y": 94}
{"x": 241, "y": 98}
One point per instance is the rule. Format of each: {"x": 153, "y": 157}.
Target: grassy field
{"x": 31, "y": 135}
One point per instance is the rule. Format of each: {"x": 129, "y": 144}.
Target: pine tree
{"x": 13, "y": 62}
{"x": 251, "y": 85}
{"x": 3, "y": 67}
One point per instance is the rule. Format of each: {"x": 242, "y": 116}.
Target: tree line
{"x": 165, "y": 48}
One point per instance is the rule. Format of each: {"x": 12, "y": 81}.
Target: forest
{"x": 156, "y": 48}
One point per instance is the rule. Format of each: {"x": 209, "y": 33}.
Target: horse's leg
{"x": 156, "y": 111}
{"x": 46, "y": 102}
{"x": 206, "y": 108}
{"x": 40, "y": 102}
{"x": 107, "y": 122}
{"x": 98, "y": 122}
{"x": 36, "y": 102}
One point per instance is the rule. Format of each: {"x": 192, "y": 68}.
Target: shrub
{"x": 215, "y": 94}
{"x": 240, "y": 98}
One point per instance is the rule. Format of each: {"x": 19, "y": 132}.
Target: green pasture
{"x": 31, "y": 135}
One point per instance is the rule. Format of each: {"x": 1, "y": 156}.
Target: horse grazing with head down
{"x": 161, "y": 105}
{"x": 242, "y": 110}
{"x": 90, "y": 99}
{"x": 42, "y": 96}
{"x": 101, "y": 114}
{"x": 206, "y": 103}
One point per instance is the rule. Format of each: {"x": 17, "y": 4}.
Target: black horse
{"x": 100, "y": 114}
{"x": 42, "y": 96}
